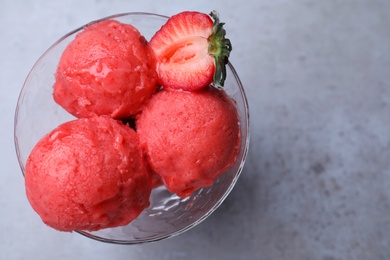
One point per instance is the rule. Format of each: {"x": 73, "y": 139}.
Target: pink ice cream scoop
{"x": 108, "y": 69}
{"x": 190, "y": 138}
{"x": 88, "y": 174}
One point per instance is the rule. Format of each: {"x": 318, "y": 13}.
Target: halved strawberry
{"x": 191, "y": 51}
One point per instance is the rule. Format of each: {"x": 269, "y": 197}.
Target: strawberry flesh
{"x": 181, "y": 50}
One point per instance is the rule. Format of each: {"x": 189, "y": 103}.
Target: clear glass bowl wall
{"x": 168, "y": 215}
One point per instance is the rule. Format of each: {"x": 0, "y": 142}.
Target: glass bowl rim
{"x": 237, "y": 174}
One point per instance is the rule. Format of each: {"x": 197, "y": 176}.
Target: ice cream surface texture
{"x": 108, "y": 69}
{"x": 88, "y": 174}
{"x": 190, "y": 138}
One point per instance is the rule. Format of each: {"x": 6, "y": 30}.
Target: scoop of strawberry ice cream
{"x": 108, "y": 69}
{"x": 190, "y": 138}
{"x": 88, "y": 174}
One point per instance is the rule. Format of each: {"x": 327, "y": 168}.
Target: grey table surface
{"x": 315, "y": 184}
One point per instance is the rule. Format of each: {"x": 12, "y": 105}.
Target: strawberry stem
{"x": 220, "y": 47}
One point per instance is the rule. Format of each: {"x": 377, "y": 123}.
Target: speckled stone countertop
{"x": 315, "y": 184}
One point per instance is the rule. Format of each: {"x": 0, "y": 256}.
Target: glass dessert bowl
{"x": 168, "y": 215}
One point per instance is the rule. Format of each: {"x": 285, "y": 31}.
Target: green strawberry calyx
{"x": 220, "y": 47}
